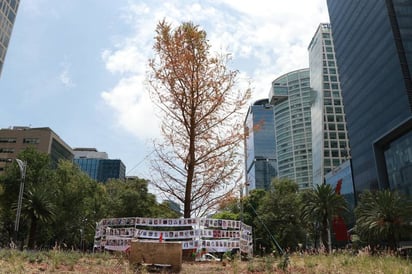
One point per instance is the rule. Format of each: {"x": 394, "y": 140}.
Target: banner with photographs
{"x": 214, "y": 235}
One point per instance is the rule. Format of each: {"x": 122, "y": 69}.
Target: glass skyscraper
{"x": 373, "y": 43}
{"x": 290, "y": 96}
{"x": 8, "y": 10}
{"x": 260, "y": 149}
{"x": 330, "y": 144}
{"x": 97, "y": 165}
{"x": 102, "y": 170}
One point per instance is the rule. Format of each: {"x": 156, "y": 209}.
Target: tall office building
{"x": 290, "y": 96}
{"x": 373, "y": 43}
{"x": 16, "y": 139}
{"x": 97, "y": 165}
{"x": 330, "y": 144}
{"x": 260, "y": 150}
{"x": 8, "y": 10}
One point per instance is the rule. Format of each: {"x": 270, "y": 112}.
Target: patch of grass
{"x": 13, "y": 261}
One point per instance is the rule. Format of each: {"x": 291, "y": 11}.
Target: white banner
{"x": 214, "y": 235}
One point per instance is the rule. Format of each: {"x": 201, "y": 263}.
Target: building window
{"x": 5, "y": 160}
{"x": 7, "y": 140}
{"x": 31, "y": 140}
{"x": 335, "y": 86}
{"x": 6, "y": 150}
{"x": 398, "y": 160}
{"x": 329, "y": 110}
{"x": 342, "y": 135}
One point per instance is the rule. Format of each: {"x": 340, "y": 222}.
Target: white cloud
{"x": 133, "y": 107}
{"x": 65, "y": 77}
{"x": 265, "y": 38}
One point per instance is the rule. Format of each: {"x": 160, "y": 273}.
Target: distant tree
{"x": 37, "y": 207}
{"x": 166, "y": 209}
{"x": 383, "y": 216}
{"x": 228, "y": 208}
{"x": 251, "y": 204}
{"x": 39, "y": 174}
{"x": 130, "y": 199}
{"x": 279, "y": 211}
{"x": 198, "y": 161}
{"x": 320, "y": 206}
{"x": 79, "y": 202}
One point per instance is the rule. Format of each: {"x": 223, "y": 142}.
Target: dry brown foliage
{"x": 197, "y": 162}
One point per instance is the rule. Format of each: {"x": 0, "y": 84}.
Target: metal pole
{"x": 241, "y": 202}
{"x": 22, "y": 167}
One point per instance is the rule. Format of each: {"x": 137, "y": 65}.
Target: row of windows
{"x": 7, "y": 140}
{"x": 338, "y": 110}
{"x": 31, "y": 140}
{"x": 329, "y": 63}
{"x": 335, "y": 153}
{"x": 6, "y": 150}
{"x": 334, "y": 163}
{"x": 334, "y": 144}
{"x": 25, "y": 140}
{"x": 334, "y": 94}
{"x": 333, "y": 86}
{"x": 329, "y": 71}
{"x": 330, "y": 102}
{"x": 5, "y": 160}
{"x": 333, "y": 126}
{"x": 331, "y": 78}
{"x": 329, "y": 56}
{"x": 334, "y": 118}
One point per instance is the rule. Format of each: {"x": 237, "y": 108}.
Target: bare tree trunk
{"x": 329, "y": 238}
{"x": 32, "y": 233}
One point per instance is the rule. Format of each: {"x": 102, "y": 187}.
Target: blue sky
{"x": 78, "y": 66}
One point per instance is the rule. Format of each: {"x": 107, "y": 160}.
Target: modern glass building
{"x": 8, "y": 10}
{"x": 340, "y": 178}
{"x": 330, "y": 143}
{"x": 260, "y": 149}
{"x": 290, "y": 96}
{"x": 373, "y": 43}
{"x": 97, "y": 165}
{"x": 102, "y": 170}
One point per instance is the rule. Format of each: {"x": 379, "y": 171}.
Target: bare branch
{"x": 197, "y": 161}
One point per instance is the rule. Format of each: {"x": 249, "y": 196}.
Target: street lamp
{"x": 22, "y": 167}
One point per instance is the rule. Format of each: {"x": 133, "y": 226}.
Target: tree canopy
{"x": 197, "y": 162}
{"x": 320, "y": 206}
{"x": 383, "y": 216}
{"x": 62, "y": 205}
